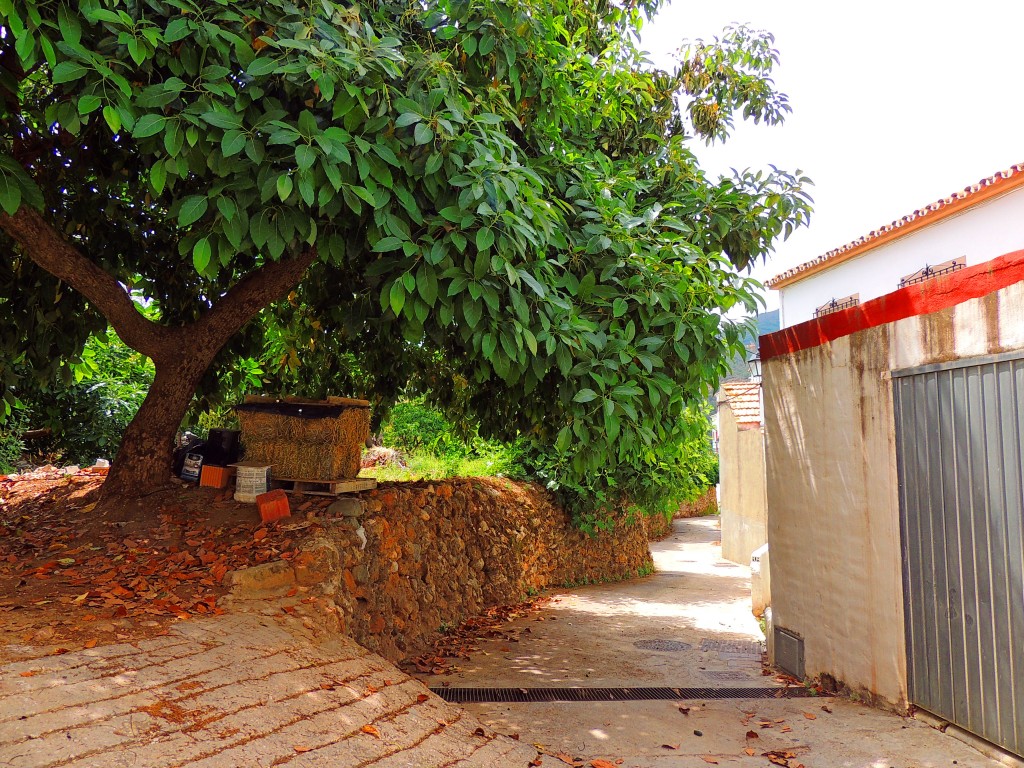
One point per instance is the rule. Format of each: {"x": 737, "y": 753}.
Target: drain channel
{"x": 534, "y": 695}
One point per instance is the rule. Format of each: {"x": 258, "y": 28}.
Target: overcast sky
{"x": 895, "y": 104}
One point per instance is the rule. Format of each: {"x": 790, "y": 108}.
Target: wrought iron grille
{"x": 834, "y": 305}
{"x": 928, "y": 272}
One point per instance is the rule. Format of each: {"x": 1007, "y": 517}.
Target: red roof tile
{"x": 985, "y": 189}
{"x": 744, "y": 399}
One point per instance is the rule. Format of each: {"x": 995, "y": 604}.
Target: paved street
{"x": 239, "y": 690}
{"x": 601, "y": 636}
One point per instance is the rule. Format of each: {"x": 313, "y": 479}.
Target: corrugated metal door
{"x": 960, "y": 451}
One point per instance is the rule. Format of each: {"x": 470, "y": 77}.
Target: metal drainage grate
{"x": 662, "y": 645}
{"x": 534, "y": 695}
{"x": 737, "y": 647}
{"x": 726, "y": 675}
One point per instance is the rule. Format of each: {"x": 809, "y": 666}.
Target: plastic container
{"x": 192, "y": 467}
{"x": 251, "y": 480}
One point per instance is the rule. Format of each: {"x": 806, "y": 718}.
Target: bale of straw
{"x": 307, "y": 449}
{"x": 260, "y": 426}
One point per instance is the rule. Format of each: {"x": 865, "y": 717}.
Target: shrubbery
{"x": 88, "y": 416}
{"x": 436, "y": 448}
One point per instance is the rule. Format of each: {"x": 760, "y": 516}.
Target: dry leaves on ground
{"x": 462, "y": 641}
{"x": 62, "y": 566}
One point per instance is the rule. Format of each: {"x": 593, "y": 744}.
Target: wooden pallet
{"x": 324, "y": 487}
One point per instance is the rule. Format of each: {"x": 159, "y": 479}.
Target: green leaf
{"x": 305, "y": 156}
{"x": 68, "y": 71}
{"x": 284, "y": 186}
{"x": 386, "y": 244}
{"x": 113, "y": 118}
{"x": 10, "y": 194}
{"x": 232, "y": 143}
{"x": 484, "y": 239}
{"x": 177, "y": 29}
{"x": 397, "y": 297}
{"x": 584, "y": 396}
{"x": 407, "y": 118}
{"x": 423, "y": 133}
{"x": 148, "y": 125}
{"x": 201, "y": 255}
{"x": 262, "y": 65}
{"x": 426, "y": 283}
{"x": 88, "y": 103}
{"x": 158, "y": 176}
{"x": 222, "y": 119}
{"x": 434, "y": 163}
{"x": 192, "y": 209}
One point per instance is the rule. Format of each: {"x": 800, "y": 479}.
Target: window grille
{"x": 835, "y": 305}
{"x": 928, "y": 272}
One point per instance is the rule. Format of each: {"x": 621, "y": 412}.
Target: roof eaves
{"x": 985, "y": 189}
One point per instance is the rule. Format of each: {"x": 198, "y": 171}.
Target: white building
{"x": 969, "y": 227}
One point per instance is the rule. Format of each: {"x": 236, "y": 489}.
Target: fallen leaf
{"x": 684, "y": 710}
{"x": 422, "y": 697}
{"x": 299, "y": 748}
{"x": 826, "y": 709}
{"x": 30, "y": 673}
{"x": 810, "y": 716}
{"x": 709, "y": 759}
{"x": 753, "y": 735}
{"x": 601, "y": 764}
{"x": 750, "y": 752}
{"x": 260, "y": 534}
{"x": 565, "y": 758}
{"x": 479, "y": 732}
{"x": 90, "y": 643}
{"x": 372, "y": 730}
{"x": 785, "y": 729}
{"x": 670, "y": 746}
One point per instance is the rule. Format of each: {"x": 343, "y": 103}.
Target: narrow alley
{"x": 687, "y": 626}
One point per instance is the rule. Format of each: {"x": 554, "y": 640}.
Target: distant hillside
{"x": 767, "y": 322}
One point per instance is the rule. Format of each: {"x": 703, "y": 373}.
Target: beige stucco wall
{"x": 832, "y": 487}
{"x": 742, "y": 501}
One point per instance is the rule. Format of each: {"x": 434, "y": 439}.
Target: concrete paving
{"x": 588, "y": 637}
{"x": 238, "y": 690}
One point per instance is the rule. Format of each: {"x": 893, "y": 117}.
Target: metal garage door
{"x": 960, "y": 451}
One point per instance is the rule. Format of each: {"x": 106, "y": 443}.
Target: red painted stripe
{"x": 921, "y": 299}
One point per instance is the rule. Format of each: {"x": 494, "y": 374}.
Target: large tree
{"x": 493, "y": 199}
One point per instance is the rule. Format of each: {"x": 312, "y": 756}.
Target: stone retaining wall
{"x": 396, "y": 565}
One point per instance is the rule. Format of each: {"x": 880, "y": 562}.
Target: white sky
{"x": 895, "y": 104}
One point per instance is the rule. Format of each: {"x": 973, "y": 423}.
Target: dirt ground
{"x": 72, "y": 579}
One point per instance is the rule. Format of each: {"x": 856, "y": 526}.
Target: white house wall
{"x": 980, "y": 233}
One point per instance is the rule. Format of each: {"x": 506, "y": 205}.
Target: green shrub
{"x": 412, "y": 426}
{"x": 436, "y": 449}
{"x": 89, "y": 416}
{"x": 11, "y": 445}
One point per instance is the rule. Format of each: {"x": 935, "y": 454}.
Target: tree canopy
{"x": 491, "y": 202}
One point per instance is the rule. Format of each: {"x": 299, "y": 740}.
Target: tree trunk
{"x": 180, "y": 355}
{"x": 143, "y": 464}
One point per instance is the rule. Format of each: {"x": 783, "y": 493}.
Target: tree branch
{"x": 252, "y": 293}
{"x": 52, "y": 252}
